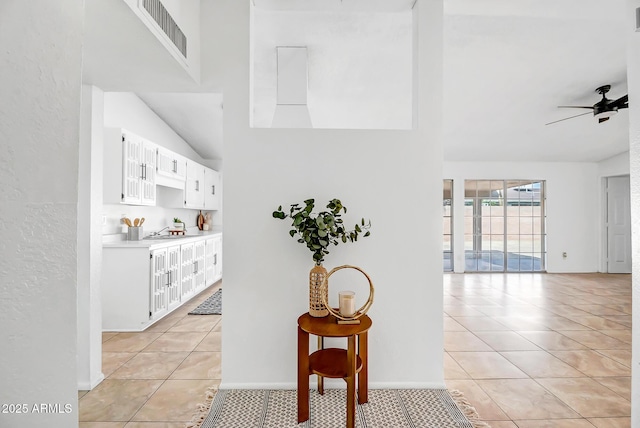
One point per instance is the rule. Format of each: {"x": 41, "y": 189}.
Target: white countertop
{"x": 120, "y": 241}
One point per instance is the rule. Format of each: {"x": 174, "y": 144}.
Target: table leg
{"x": 303, "y": 375}
{"x": 321, "y": 378}
{"x": 351, "y": 381}
{"x": 363, "y": 377}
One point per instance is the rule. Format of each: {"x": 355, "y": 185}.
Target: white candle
{"x": 347, "y": 301}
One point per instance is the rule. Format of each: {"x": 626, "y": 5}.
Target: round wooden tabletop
{"x": 328, "y": 326}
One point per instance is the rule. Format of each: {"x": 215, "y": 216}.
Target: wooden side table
{"x": 333, "y": 362}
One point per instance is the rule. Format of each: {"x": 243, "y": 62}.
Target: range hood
{"x": 291, "y": 103}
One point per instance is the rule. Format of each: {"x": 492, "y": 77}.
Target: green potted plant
{"x": 318, "y": 230}
{"x": 178, "y": 224}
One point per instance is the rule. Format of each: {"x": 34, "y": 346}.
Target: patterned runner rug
{"x": 211, "y": 306}
{"x": 405, "y": 408}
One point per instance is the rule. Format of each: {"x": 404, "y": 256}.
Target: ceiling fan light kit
{"x": 604, "y": 115}
{"x": 603, "y": 109}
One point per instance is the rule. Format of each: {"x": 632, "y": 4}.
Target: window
{"x": 504, "y": 225}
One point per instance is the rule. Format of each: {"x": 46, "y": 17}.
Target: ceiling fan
{"x": 603, "y": 109}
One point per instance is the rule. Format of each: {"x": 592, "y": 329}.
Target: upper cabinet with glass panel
{"x": 332, "y": 64}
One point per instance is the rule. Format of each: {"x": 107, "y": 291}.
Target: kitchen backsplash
{"x": 156, "y": 218}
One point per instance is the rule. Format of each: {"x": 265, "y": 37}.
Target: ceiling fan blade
{"x": 620, "y": 102}
{"x": 589, "y": 107}
{"x": 603, "y": 119}
{"x": 567, "y": 118}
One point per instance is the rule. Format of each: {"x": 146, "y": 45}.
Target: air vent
{"x": 157, "y": 11}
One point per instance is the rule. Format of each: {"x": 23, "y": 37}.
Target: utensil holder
{"x": 134, "y": 233}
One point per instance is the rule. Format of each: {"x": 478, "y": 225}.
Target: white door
{"x": 618, "y": 225}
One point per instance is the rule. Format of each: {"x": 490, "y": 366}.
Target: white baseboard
{"x": 92, "y": 383}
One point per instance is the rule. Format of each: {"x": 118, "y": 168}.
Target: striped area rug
{"x": 405, "y": 408}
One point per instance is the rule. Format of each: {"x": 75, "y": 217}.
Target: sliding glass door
{"x": 504, "y": 225}
{"x": 447, "y": 225}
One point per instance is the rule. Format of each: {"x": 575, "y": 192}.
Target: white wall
{"x": 39, "y": 129}
{"x": 391, "y": 177}
{"x": 90, "y": 239}
{"x": 633, "y": 68}
{"x": 616, "y": 165}
{"x": 368, "y": 70}
{"x": 126, "y": 110}
{"x": 573, "y": 208}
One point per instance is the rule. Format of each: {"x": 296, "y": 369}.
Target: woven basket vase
{"x": 316, "y": 306}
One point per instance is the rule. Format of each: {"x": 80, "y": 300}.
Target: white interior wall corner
{"x": 90, "y": 176}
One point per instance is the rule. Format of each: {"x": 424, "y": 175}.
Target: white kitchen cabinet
{"x": 209, "y": 259}
{"x": 199, "y": 267}
{"x": 125, "y": 287}
{"x": 218, "y": 259}
{"x": 211, "y": 189}
{"x": 174, "y": 296}
{"x": 159, "y": 283}
{"x": 192, "y": 266}
{"x": 165, "y": 281}
{"x": 148, "y": 180}
{"x": 129, "y": 168}
{"x": 187, "y": 257}
{"x": 213, "y": 259}
{"x": 143, "y": 281}
{"x": 172, "y": 169}
{"x": 194, "y": 186}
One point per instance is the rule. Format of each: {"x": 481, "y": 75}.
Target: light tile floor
{"x": 157, "y": 378}
{"x": 540, "y": 350}
{"x": 527, "y": 351}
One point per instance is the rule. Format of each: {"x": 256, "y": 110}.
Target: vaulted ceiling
{"x": 507, "y": 66}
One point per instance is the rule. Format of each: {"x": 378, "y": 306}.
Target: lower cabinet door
{"x": 174, "y": 296}
{"x": 210, "y": 261}
{"x": 159, "y": 281}
{"x": 199, "y": 270}
{"x": 187, "y": 258}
